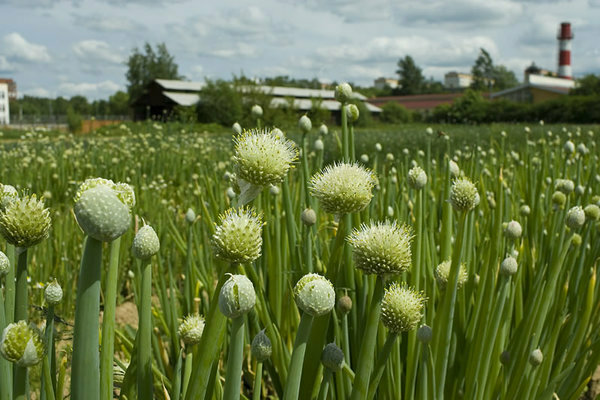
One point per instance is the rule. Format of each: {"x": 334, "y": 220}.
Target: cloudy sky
{"x": 68, "y": 47}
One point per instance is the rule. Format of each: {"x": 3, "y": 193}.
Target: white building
{"x": 4, "y": 111}
{"x": 382, "y": 83}
{"x": 550, "y": 81}
{"x": 457, "y": 80}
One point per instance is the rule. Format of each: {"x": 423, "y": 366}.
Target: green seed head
{"x": 343, "y": 188}
{"x": 261, "y": 347}
{"x": 305, "y": 124}
{"x": 237, "y": 296}
{"x": 190, "y": 330}
{"x": 463, "y": 195}
{"x": 343, "y": 92}
{"x": 575, "y": 218}
{"x": 53, "y": 293}
{"x": 25, "y": 222}
{"x": 263, "y": 158}
{"x": 314, "y": 295}
{"x": 4, "y": 265}
{"x": 424, "y": 334}
{"x": 559, "y": 199}
{"x": 8, "y": 194}
{"x": 22, "y": 344}
{"x": 401, "y": 308}
{"x": 238, "y": 238}
{"x": 145, "y": 243}
{"x": 592, "y": 212}
{"x": 513, "y": 230}
{"x": 308, "y": 217}
{"x": 382, "y": 248}
{"x": 332, "y": 357}
{"x": 352, "y": 112}
{"x": 525, "y": 210}
{"x": 256, "y": 111}
{"x": 417, "y": 178}
{"x": 101, "y": 214}
{"x": 344, "y": 304}
{"x": 443, "y": 271}
{"x": 509, "y": 266}
{"x": 536, "y": 357}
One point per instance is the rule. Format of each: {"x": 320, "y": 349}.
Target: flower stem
{"x": 85, "y": 378}
{"x": 382, "y": 358}
{"x": 49, "y": 340}
{"x": 292, "y": 386}
{"x": 144, "y": 351}
{"x": 367, "y": 346}
{"x": 47, "y": 380}
{"x": 5, "y": 366}
{"x": 233, "y": 377}
{"x": 21, "y": 314}
{"x": 9, "y": 286}
{"x": 187, "y": 370}
{"x": 257, "y": 381}
{"x": 108, "y": 323}
{"x": 325, "y": 384}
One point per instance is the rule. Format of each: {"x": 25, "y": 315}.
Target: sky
{"x": 70, "y": 47}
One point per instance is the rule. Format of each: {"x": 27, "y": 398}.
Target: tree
{"x": 118, "y": 103}
{"x": 589, "y": 85}
{"x": 220, "y": 103}
{"x": 144, "y": 68}
{"x": 411, "y": 77}
{"x": 504, "y": 78}
{"x": 483, "y": 71}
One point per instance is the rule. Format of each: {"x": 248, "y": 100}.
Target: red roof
{"x": 419, "y": 101}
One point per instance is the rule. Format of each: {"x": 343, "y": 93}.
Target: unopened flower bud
{"x": 536, "y": 357}
{"x": 190, "y": 330}
{"x": 559, "y": 199}
{"x": 378, "y": 147}
{"x": 274, "y": 190}
{"x": 343, "y": 92}
{"x": 101, "y": 214}
{"x": 442, "y": 273}
{"x": 344, "y": 304}
{"x": 569, "y": 147}
{"x": 352, "y": 112}
{"x": 237, "y": 296}
{"x": 305, "y": 124}
{"x": 22, "y": 344}
{"x": 424, "y": 334}
{"x": 575, "y": 218}
{"x": 417, "y": 178}
{"x": 8, "y": 194}
{"x": 508, "y": 266}
{"x": 190, "y": 216}
{"x": 323, "y": 130}
{"x": 4, "y": 265}
{"x": 332, "y": 357}
{"x": 237, "y": 128}
{"x": 525, "y": 210}
{"x": 53, "y": 293}
{"x": 145, "y": 243}
{"x": 261, "y": 347}
{"x": 564, "y": 185}
{"x": 256, "y": 111}
{"x": 319, "y": 146}
{"x": 454, "y": 169}
{"x": 308, "y": 217}
{"x": 513, "y": 230}
{"x": 364, "y": 158}
{"x": 505, "y": 357}
{"x": 314, "y": 295}
{"x": 592, "y": 212}
{"x": 463, "y": 195}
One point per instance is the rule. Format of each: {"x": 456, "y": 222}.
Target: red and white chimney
{"x": 564, "y": 51}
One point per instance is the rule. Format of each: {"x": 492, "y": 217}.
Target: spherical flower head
{"x": 314, "y": 295}
{"x": 323, "y": 130}
{"x": 592, "y": 212}
{"x": 332, "y": 357}
{"x": 575, "y": 218}
{"x": 261, "y": 347}
{"x": 569, "y": 147}
{"x": 564, "y": 185}
{"x": 378, "y": 147}
{"x": 536, "y": 357}
{"x": 344, "y": 304}
{"x": 463, "y": 195}
{"x": 319, "y": 145}
{"x": 145, "y": 243}
{"x": 381, "y": 248}
{"x": 442, "y": 272}
{"x": 525, "y": 210}
{"x": 417, "y": 178}
{"x": 424, "y": 334}
{"x": 22, "y": 344}
{"x": 238, "y": 237}
{"x": 305, "y": 124}
{"x": 513, "y": 230}
{"x": 582, "y": 149}
{"x": 101, "y": 214}
{"x": 343, "y": 92}
{"x": 308, "y": 217}
{"x": 343, "y": 188}
{"x": 8, "y": 194}
{"x": 190, "y": 216}
{"x": 559, "y": 199}
{"x": 256, "y": 111}
{"x": 509, "y": 266}
{"x": 237, "y": 128}
{"x": 237, "y": 296}
{"x": 4, "y": 265}
{"x": 352, "y": 112}
{"x": 262, "y": 158}
{"x": 53, "y": 293}
{"x": 401, "y": 308}
{"x": 190, "y": 330}
{"x": 364, "y": 158}
{"x": 25, "y": 222}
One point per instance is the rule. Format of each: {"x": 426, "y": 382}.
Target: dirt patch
{"x": 126, "y": 314}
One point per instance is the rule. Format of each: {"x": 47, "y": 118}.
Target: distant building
{"x": 457, "y": 80}
{"x": 536, "y": 88}
{"x": 162, "y": 95}
{"x": 4, "y": 110}
{"x": 423, "y": 103}
{"x": 382, "y": 83}
{"x": 12, "y": 88}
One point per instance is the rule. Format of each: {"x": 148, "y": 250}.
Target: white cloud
{"x": 5, "y": 65}
{"x": 96, "y": 51}
{"x": 18, "y": 48}
{"x": 238, "y": 49}
{"x": 37, "y": 92}
{"x": 92, "y": 89}
{"x": 106, "y": 23}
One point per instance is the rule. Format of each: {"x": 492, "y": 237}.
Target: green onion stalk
{"x": 21, "y": 314}
{"x": 53, "y": 295}
{"x": 5, "y": 367}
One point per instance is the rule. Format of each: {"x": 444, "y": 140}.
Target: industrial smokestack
{"x": 564, "y": 51}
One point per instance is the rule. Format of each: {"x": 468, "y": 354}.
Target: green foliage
{"x": 74, "y": 120}
{"x": 394, "y": 113}
{"x": 118, "y": 103}
{"x": 143, "y": 68}
{"x": 587, "y": 86}
{"x": 487, "y": 76}
{"x": 503, "y": 78}
{"x": 410, "y": 76}
{"x": 219, "y": 102}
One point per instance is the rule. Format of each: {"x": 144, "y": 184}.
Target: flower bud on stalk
{"x": 190, "y": 330}
{"x": 22, "y": 344}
